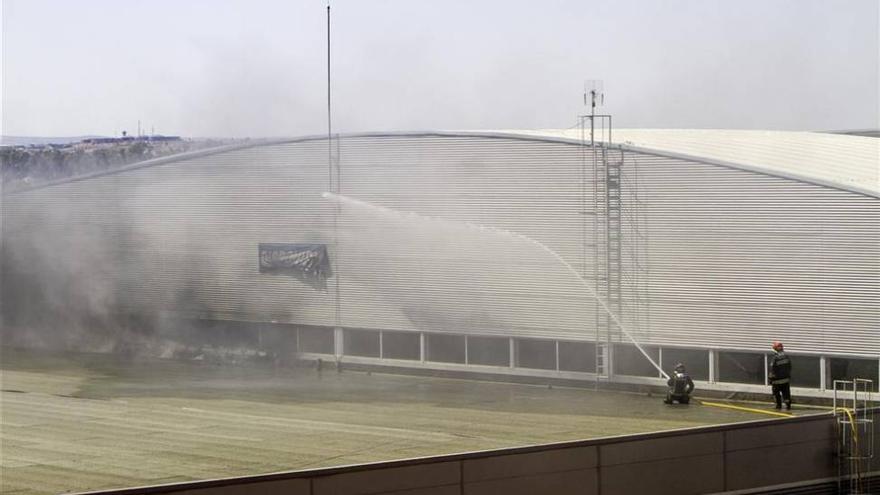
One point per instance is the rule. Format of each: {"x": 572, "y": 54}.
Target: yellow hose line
{"x": 855, "y": 438}
{"x": 747, "y": 409}
{"x": 852, "y": 421}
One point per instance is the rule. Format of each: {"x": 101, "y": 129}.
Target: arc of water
{"x": 515, "y": 235}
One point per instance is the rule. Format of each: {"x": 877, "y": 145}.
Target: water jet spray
{"x": 348, "y": 201}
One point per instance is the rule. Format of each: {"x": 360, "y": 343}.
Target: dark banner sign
{"x": 307, "y": 262}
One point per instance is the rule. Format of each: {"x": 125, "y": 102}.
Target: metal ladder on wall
{"x": 614, "y": 234}
{"x": 855, "y": 440}
{"x": 600, "y": 267}
{"x": 607, "y": 235}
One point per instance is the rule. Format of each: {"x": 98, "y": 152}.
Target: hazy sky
{"x": 257, "y": 68}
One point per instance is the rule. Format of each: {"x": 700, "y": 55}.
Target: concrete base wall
{"x": 714, "y": 459}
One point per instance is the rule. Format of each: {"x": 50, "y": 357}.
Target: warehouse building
{"x": 492, "y": 252}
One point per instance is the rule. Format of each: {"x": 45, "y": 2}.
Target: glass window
{"x": 316, "y": 339}
{"x": 577, "y": 356}
{"x": 492, "y": 351}
{"x": 201, "y": 332}
{"x": 445, "y": 348}
{"x": 360, "y": 342}
{"x": 849, "y": 368}
{"x": 226, "y": 333}
{"x": 536, "y": 354}
{"x": 401, "y": 345}
{"x": 278, "y": 338}
{"x": 240, "y": 334}
{"x": 805, "y": 371}
{"x": 741, "y": 367}
{"x": 696, "y": 361}
{"x": 628, "y": 360}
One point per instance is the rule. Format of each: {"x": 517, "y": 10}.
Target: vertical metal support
{"x": 337, "y": 159}
{"x": 660, "y": 360}
{"x": 713, "y": 366}
{"x": 823, "y": 367}
{"x": 329, "y": 115}
{"x": 338, "y": 342}
{"x": 512, "y": 352}
{"x": 381, "y": 349}
{"x": 766, "y": 370}
{"x": 557, "y": 354}
{"x": 609, "y": 130}
{"x": 422, "y": 355}
{"x": 466, "y": 361}
{"x": 333, "y": 163}
{"x": 337, "y": 214}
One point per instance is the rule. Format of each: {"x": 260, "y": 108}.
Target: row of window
{"x": 540, "y": 354}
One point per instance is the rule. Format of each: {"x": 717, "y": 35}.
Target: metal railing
{"x": 855, "y": 427}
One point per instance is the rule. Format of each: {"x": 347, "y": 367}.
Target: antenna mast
{"x": 329, "y": 116}
{"x": 337, "y": 189}
{"x": 593, "y": 89}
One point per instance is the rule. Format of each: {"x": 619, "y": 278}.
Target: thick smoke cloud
{"x": 102, "y": 276}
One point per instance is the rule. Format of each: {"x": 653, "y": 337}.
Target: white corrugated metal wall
{"x": 737, "y": 258}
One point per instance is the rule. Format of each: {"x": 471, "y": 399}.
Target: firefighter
{"x": 680, "y": 386}
{"x": 780, "y": 376}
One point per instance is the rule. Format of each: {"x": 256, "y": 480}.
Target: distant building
{"x": 129, "y": 139}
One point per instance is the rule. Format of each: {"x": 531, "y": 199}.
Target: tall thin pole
{"x": 329, "y": 118}
{"x": 337, "y": 330}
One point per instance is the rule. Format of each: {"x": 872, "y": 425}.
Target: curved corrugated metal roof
{"x": 846, "y": 162}
{"x": 842, "y": 161}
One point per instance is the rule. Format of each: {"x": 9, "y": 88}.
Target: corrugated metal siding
{"x": 739, "y": 259}
{"x": 736, "y": 258}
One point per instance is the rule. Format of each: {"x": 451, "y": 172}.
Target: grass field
{"x": 80, "y": 422}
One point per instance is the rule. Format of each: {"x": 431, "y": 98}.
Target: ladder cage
{"x": 854, "y": 413}
{"x": 618, "y": 224}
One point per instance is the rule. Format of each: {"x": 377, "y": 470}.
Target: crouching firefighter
{"x": 680, "y": 386}
{"x": 780, "y": 376}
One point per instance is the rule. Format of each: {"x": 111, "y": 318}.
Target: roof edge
{"x": 476, "y": 134}
{"x": 696, "y": 158}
